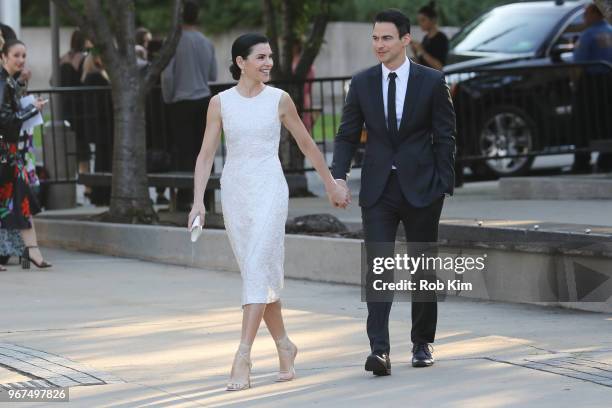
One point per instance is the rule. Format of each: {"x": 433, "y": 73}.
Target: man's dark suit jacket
{"x": 423, "y": 151}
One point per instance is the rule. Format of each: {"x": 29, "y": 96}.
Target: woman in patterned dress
{"x": 17, "y": 201}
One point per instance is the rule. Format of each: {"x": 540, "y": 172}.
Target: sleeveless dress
{"x": 254, "y": 192}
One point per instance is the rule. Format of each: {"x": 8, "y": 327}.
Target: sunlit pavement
{"x": 167, "y": 334}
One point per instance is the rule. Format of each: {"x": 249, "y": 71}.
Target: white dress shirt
{"x": 401, "y": 84}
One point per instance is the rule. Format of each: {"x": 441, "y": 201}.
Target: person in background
{"x": 187, "y": 94}
{"x": 7, "y": 32}
{"x": 594, "y": 44}
{"x": 432, "y": 52}
{"x": 307, "y": 116}
{"x": 18, "y": 204}
{"x": 11, "y": 243}
{"x": 98, "y": 120}
{"x": 143, "y": 38}
{"x": 70, "y": 74}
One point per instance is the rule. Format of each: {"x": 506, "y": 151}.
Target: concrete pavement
{"x": 168, "y": 334}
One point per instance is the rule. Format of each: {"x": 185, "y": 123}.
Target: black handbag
{"x": 5, "y": 168}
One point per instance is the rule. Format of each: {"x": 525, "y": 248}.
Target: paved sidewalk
{"x": 160, "y": 335}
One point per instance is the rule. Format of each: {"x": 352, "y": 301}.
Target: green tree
{"x": 216, "y": 16}
{"x": 112, "y": 30}
{"x": 287, "y": 22}
{"x": 220, "y": 15}
{"x": 451, "y": 12}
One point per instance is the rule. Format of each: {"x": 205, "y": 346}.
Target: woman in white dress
{"x": 254, "y": 193}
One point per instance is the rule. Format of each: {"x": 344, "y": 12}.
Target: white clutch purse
{"x": 196, "y": 229}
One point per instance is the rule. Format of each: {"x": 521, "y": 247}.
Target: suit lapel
{"x": 376, "y": 92}
{"x": 412, "y": 95}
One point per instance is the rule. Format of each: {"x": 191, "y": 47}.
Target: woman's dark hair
{"x": 7, "y": 32}
{"x": 395, "y": 16}
{"x": 429, "y": 10}
{"x": 77, "y": 41}
{"x": 242, "y": 47}
{"x": 10, "y": 44}
{"x": 190, "y": 12}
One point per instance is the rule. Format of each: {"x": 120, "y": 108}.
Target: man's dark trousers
{"x": 380, "y": 223}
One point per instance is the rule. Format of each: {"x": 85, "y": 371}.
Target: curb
{"x": 338, "y": 260}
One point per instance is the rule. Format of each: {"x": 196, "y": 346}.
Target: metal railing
{"x": 505, "y": 117}
{"x": 79, "y": 125}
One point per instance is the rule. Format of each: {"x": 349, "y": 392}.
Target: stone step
{"x": 587, "y": 187}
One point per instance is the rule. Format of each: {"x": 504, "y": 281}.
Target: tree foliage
{"x": 218, "y": 16}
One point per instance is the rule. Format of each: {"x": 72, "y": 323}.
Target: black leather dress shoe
{"x": 421, "y": 355}
{"x": 379, "y": 364}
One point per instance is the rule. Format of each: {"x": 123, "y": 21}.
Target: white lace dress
{"x": 254, "y": 192}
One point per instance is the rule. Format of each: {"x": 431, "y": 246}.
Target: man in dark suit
{"x": 407, "y": 166}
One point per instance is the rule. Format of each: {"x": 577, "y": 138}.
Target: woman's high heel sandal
{"x": 238, "y": 386}
{"x": 286, "y": 349}
{"x": 25, "y": 260}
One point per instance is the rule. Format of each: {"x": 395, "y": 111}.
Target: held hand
{"x": 346, "y": 188}
{"x": 25, "y": 75}
{"x": 40, "y": 103}
{"x": 196, "y": 210}
{"x": 339, "y": 194}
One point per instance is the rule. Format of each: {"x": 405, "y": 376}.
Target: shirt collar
{"x": 402, "y": 72}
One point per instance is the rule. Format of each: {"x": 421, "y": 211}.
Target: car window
{"x": 572, "y": 31}
{"x": 506, "y": 30}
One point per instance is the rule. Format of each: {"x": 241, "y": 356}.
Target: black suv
{"x": 511, "y": 79}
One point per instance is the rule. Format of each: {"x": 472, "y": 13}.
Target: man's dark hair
{"x": 595, "y": 9}
{"x": 190, "y": 12}
{"x": 395, "y": 16}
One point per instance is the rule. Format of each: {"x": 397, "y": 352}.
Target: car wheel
{"x": 505, "y": 131}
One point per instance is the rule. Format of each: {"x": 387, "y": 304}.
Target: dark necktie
{"x": 391, "y": 115}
